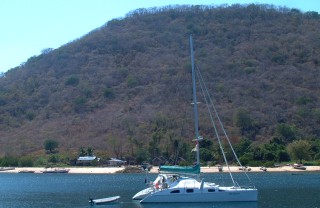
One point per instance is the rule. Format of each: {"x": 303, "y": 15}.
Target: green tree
{"x": 30, "y": 116}
{"x": 46, "y": 50}
{"x": 154, "y": 149}
{"x": 243, "y": 120}
{"x": 82, "y": 152}
{"x": 90, "y": 151}
{"x": 73, "y": 81}
{"x": 25, "y": 162}
{"x": 80, "y": 104}
{"x": 299, "y": 150}
{"x": 50, "y": 145}
{"x": 108, "y": 93}
{"x": 117, "y": 146}
{"x": 205, "y": 155}
{"x": 286, "y": 131}
{"x": 206, "y": 143}
{"x": 258, "y": 153}
{"x": 53, "y": 158}
{"x": 245, "y": 123}
{"x": 7, "y": 161}
{"x": 244, "y": 146}
{"x": 142, "y": 155}
{"x": 131, "y": 81}
{"x": 246, "y": 158}
{"x": 274, "y": 150}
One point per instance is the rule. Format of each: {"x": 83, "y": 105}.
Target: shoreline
{"x": 235, "y": 169}
{"x": 114, "y": 170}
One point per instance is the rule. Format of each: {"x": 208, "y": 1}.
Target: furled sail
{"x": 181, "y": 169}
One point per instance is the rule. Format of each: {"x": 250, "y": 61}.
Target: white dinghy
{"x": 104, "y": 200}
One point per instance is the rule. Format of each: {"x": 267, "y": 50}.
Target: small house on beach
{"x": 116, "y": 162}
{"x": 87, "y": 160}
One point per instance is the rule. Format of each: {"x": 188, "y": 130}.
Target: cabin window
{"x": 189, "y": 190}
{"x": 175, "y": 191}
{"x": 211, "y": 190}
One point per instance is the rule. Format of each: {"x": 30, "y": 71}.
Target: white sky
{"x": 28, "y": 26}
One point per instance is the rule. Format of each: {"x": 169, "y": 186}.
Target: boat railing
{"x": 247, "y": 187}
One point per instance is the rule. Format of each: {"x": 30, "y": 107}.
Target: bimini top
{"x": 181, "y": 169}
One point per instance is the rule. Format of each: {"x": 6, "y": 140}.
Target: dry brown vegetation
{"x": 126, "y": 86}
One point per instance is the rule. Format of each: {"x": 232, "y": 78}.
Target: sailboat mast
{"x": 195, "y": 104}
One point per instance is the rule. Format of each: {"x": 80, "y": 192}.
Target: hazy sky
{"x": 28, "y": 26}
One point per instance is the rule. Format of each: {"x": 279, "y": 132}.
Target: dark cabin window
{"x": 189, "y": 190}
{"x": 175, "y": 191}
{"x": 211, "y": 190}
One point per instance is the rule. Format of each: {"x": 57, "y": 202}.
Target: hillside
{"x": 126, "y": 86}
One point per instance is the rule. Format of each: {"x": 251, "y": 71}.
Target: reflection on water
{"x": 136, "y": 204}
{"x": 203, "y": 205}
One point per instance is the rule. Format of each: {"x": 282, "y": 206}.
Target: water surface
{"x": 74, "y": 190}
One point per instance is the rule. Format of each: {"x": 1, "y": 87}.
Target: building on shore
{"x": 87, "y": 160}
{"x": 116, "y": 162}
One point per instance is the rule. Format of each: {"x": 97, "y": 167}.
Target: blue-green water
{"x": 74, "y": 190}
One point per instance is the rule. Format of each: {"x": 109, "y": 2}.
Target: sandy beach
{"x": 257, "y": 169}
{"x": 112, "y": 170}
{"x": 75, "y": 170}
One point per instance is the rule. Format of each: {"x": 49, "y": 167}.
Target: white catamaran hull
{"x": 226, "y": 196}
{"x": 175, "y": 188}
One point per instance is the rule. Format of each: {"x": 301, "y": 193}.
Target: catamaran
{"x": 184, "y": 184}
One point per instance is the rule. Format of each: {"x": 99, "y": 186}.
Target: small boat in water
{"x": 104, "y": 200}
{"x": 56, "y": 170}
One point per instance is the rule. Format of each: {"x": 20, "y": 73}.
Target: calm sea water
{"x": 74, "y": 190}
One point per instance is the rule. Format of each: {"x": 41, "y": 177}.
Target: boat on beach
{"x": 299, "y": 167}
{"x": 176, "y": 184}
{"x": 26, "y": 171}
{"x": 6, "y": 168}
{"x": 56, "y": 170}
